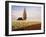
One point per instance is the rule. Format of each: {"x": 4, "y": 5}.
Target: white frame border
{"x": 24, "y": 32}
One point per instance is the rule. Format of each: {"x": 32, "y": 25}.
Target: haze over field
{"x": 31, "y": 11}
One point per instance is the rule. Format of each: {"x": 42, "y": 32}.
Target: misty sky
{"x": 32, "y": 12}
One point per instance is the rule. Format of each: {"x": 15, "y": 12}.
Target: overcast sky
{"x": 32, "y": 12}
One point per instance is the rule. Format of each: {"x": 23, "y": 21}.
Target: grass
{"x": 18, "y": 24}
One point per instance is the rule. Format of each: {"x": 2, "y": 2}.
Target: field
{"x": 25, "y": 25}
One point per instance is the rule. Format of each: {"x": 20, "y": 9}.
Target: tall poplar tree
{"x": 24, "y": 14}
